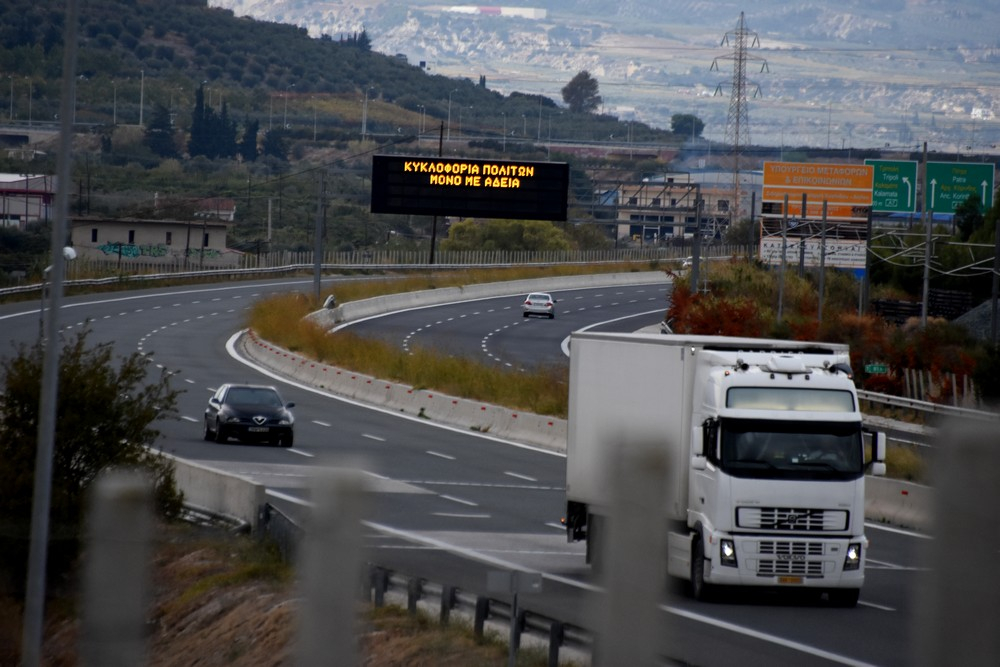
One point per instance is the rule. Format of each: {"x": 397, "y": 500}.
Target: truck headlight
{"x": 727, "y": 553}
{"x": 852, "y": 561}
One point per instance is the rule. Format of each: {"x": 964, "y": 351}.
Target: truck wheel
{"x": 699, "y": 589}
{"x": 844, "y": 597}
{"x": 594, "y": 556}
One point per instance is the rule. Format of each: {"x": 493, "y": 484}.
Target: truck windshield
{"x": 791, "y": 450}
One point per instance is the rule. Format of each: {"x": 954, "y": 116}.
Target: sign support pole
{"x": 927, "y": 247}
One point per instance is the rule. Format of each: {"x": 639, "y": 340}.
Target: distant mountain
{"x": 850, "y": 73}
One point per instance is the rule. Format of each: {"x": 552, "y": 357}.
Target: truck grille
{"x": 791, "y": 518}
{"x": 790, "y": 558}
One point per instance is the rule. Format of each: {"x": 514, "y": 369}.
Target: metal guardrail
{"x": 927, "y": 406}
{"x": 481, "y": 609}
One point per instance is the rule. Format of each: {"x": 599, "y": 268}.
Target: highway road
{"x": 451, "y": 505}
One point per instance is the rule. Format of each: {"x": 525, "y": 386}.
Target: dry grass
{"x": 906, "y": 462}
{"x": 223, "y": 599}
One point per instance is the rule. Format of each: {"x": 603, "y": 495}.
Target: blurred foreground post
{"x": 634, "y": 559}
{"x": 330, "y": 571}
{"x": 959, "y": 599}
{"x": 116, "y": 579}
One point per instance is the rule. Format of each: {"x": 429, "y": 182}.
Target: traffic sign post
{"x": 949, "y": 184}
{"x": 894, "y": 186}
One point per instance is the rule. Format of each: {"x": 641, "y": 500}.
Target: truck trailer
{"x": 765, "y": 455}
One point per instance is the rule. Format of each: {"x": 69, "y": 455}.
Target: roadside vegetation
{"x": 542, "y": 391}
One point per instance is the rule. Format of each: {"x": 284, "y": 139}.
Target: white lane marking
{"x": 189, "y": 380}
{"x": 319, "y": 423}
{"x": 459, "y": 500}
{"x": 557, "y": 526}
{"x": 300, "y": 453}
{"x": 875, "y": 606}
{"x": 524, "y": 477}
{"x": 897, "y": 531}
{"x": 190, "y": 419}
{"x": 440, "y": 455}
{"x": 451, "y": 515}
{"x": 763, "y": 636}
{"x": 372, "y": 437}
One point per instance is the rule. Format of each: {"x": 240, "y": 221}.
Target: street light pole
{"x": 364, "y": 113}
{"x": 449, "y": 112}
{"x": 142, "y": 93}
{"x": 34, "y": 599}
{"x": 284, "y": 120}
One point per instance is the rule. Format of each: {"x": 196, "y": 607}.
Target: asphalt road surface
{"x": 451, "y": 505}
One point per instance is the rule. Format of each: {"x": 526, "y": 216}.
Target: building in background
{"x": 26, "y": 199}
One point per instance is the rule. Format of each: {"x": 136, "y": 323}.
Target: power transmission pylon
{"x": 738, "y": 123}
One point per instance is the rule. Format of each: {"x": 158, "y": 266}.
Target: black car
{"x": 249, "y": 413}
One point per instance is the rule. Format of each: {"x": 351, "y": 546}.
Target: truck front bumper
{"x": 784, "y": 560}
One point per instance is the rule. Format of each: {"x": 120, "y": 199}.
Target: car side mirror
{"x": 290, "y": 405}
{"x": 213, "y": 401}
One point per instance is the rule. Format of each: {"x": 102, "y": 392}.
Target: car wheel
{"x": 525, "y": 314}
{"x": 552, "y": 316}
{"x": 219, "y": 435}
{"x": 208, "y": 435}
{"x": 285, "y": 440}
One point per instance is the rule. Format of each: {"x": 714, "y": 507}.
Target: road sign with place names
{"x": 949, "y": 184}
{"x": 894, "y": 186}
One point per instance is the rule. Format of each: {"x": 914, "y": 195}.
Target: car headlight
{"x": 727, "y": 553}
{"x": 852, "y": 561}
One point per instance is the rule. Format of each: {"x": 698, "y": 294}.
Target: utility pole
{"x": 738, "y": 121}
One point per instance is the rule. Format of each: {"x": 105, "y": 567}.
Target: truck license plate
{"x": 789, "y": 580}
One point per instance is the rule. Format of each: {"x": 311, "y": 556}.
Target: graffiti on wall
{"x": 134, "y": 250}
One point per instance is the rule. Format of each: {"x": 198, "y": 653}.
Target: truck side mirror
{"x": 878, "y": 454}
{"x": 705, "y": 449}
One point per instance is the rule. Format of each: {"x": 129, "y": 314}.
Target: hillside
{"x": 853, "y": 73}
{"x": 161, "y": 54}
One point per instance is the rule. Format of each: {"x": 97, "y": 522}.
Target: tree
{"x": 581, "y": 93}
{"x": 686, "y": 125}
{"x": 106, "y": 414}
{"x": 508, "y": 235}
{"x": 248, "y": 144}
{"x": 160, "y": 133}
{"x": 968, "y": 217}
{"x": 274, "y": 144}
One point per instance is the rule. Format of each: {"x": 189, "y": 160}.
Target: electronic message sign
{"x": 469, "y": 188}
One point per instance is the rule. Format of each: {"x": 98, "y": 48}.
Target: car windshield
{"x": 792, "y": 450}
{"x": 538, "y": 297}
{"x": 253, "y": 396}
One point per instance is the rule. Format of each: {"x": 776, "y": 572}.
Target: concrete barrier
{"x": 380, "y": 305}
{"x": 898, "y": 502}
{"x": 218, "y": 492}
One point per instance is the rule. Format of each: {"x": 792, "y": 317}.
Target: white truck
{"x": 766, "y": 458}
